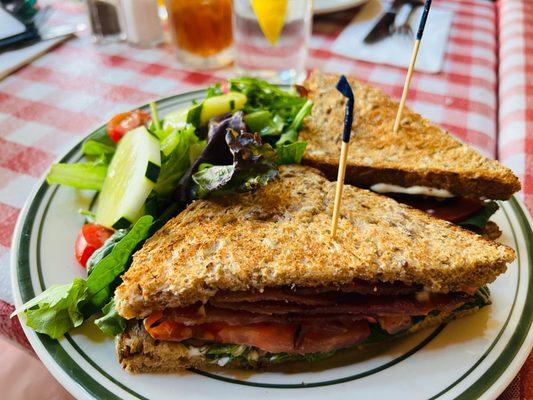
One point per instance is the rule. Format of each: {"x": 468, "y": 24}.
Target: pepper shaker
{"x": 106, "y": 20}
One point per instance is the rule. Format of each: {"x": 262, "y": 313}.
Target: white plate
{"x": 474, "y": 357}
{"x": 329, "y": 6}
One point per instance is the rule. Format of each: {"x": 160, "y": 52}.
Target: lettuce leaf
{"x": 79, "y": 175}
{"x": 103, "y": 251}
{"x": 95, "y": 148}
{"x": 61, "y": 308}
{"x": 98, "y": 144}
{"x": 101, "y": 282}
{"x": 111, "y": 323}
{"x": 178, "y": 149}
{"x": 480, "y": 218}
{"x": 239, "y": 161}
{"x": 56, "y": 310}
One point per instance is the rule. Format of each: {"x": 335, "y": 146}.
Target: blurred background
{"x": 66, "y": 66}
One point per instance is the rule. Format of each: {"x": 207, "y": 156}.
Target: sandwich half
{"x": 254, "y": 279}
{"x": 422, "y": 165}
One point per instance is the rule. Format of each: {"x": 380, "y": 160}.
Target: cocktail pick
{"x": 419, "y": 34}
{"x": 344, "y": 87}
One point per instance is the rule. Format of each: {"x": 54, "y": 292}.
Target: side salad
{"x": 146, "y": 169}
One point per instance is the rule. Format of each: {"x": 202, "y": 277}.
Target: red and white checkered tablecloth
{"x": 481, "y": 96}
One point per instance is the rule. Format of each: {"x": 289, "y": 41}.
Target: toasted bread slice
{"x": 280, "y": 236}
{"x": 420, "y": 154}
{"x": 138, "y": 352}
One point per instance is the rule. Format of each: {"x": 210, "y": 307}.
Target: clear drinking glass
{"x": 271, "y": 38}
{"x": 201, "y": 32}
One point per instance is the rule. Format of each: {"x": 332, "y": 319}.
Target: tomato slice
{"x": 315, "y": 338}
{"x": 453, "y": 210}
{"x": 124, "y": 122}
{"x": 273, "y": 337}
{"x": 90, "y": 238}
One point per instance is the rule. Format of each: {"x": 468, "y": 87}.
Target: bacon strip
{"x": 365, "y": 305}
{"x": 317, "y": 295}
{"x": 204, "y": 314}
{"x": 277, "y": 321}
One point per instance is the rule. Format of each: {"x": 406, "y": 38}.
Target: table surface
{"x": 53, "y": 102}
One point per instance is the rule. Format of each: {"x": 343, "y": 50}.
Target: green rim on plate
{"x": 25, "y": 285}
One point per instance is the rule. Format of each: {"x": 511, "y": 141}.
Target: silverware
{"x": 402, "y": 23}
{"x": 53, "y": 32}
{"x": 33, "y": 35}
{"x": 382, "y": 28}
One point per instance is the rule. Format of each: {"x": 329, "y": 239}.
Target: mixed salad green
{"x": 147, "y": 169}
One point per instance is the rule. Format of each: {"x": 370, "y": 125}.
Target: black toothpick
{"x": 344, "y": 87}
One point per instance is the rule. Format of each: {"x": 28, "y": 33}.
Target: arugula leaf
{"x": 287, "y": 108}
{"x": 264, "y": 123}
{"x": 291, "y": 153}
{"x": 111, "y": 323}
{"x": 100, "y": 283}
{"x": 480, "y": 218}
{"x": 214, "y": 90}
{"x": 257, "y": 120}
{"x": 266, "y": 96}
{"x": 223, "y": 354}
{"x": 291, "y": 134}
{"x": 56, "y": 310}
{"x": 78, "y": 175}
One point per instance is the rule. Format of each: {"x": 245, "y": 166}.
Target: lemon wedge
{"x": 271, "y": 17}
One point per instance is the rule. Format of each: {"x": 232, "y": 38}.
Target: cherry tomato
{"x": 124, "y": 122}
{"x": 90, "y": 238}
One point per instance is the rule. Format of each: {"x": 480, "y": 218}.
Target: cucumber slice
{"x": 130, "y": 178}
{"x": 199, "y": 114}
{"x": 218, "y": 105}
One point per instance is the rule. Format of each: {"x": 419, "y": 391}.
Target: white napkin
{"x": 12, "y": 60}
{"x": 396, "y": 49}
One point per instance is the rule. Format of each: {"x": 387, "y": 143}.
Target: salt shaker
{"x": 143, "y": 26}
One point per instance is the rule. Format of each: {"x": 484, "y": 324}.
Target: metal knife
{"x": 33, "y": 35}
{"x": 382, "y": 28}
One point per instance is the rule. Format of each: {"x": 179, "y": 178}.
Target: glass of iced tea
{"x": 201, "y": 32}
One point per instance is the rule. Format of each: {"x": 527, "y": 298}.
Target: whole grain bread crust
{"x": 280, "y": 236}
{"x": 421, "y": 153}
